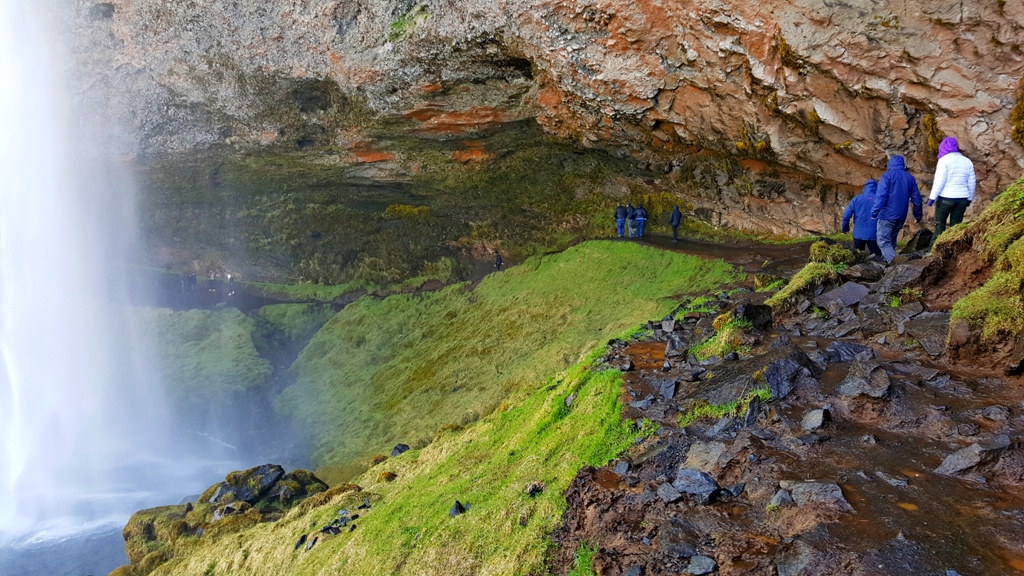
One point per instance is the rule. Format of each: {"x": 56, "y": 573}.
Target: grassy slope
{"x": 535, "y": 438}
{"x": 395, "y": 370}
{"x": 996, "y": 309}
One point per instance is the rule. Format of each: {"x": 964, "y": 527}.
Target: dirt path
{"x": 874, "y": 456}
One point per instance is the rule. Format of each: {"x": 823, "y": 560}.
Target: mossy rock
{"x": 126, "y": 570}
{"x": 152, "y": 561}
{"x": 829, "y": 253}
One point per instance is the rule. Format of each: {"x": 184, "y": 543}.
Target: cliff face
{"x": 803, "y": 97}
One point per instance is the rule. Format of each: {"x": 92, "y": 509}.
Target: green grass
{"x": 534, "y": 438}
{"x": 700, "y": 411}
{"x": 392, "y": 370}
{"x": 310, "y": 292}
{"x": 583, "y": 561}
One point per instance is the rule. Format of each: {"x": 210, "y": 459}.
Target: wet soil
{"x": 748, "y": 256}
{"x": 868, "y": 497}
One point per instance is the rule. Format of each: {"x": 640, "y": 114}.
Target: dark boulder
{"x": 456, "y": 509}
{"x": 248, "y": 485}
{"x": 866, "y": 378}
{"x": 677, "y": 538}
{"x": 696, "y": 483}
{"x": 824, "y": 493}
{"x": 844, "y": 296}
{"x": 900, "y": 276}
{"x": 930, "y": 329}
{"x": 973, "y": 455}
{"x": 700, "y": 565}
{"x": 841, "y": 351}
{"x": 399, "y": 449}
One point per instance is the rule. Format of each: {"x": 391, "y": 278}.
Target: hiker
{"x": 620, "y": 219}
{"x": 674, "y": 220}
{"x": 498, "y": 261}
{"x": 895, "y": 189}
{"x": 641, "y": 219}
{"x": 210, "y": 284}
{"x": 865, "y": 230}
{"x": 631, "y": 219}
{"x": 953, "y": 187}
{"x": 231, "y": 285}
{"x": 192, "y": 281}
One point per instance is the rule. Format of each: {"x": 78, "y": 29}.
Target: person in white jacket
{"x": 953, "y": 187}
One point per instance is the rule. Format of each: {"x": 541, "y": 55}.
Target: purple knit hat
{"x": 947, "y": 145}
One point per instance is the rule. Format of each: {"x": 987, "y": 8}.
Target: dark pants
{"x": 888, "y": 232}
{"x": 949, "y": 208}
{"x": 870, "y": 245}
{"x": 640, "y": 226}
{"x": 675, "y": 231}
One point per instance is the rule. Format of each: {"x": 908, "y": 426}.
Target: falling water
{"x": 80, "y": 428}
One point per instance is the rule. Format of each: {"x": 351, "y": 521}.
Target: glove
{"x": 930, "y": 202}
{"x": 846, "y": 229}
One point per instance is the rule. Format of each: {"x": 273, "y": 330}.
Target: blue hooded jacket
{"x": 864, "y": 228}
{"x": 896, "y": 188}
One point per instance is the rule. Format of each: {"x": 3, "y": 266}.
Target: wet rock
{"x": 666, "y": 366}
{"x": 668, "y": 325}
{"x": 865, "y": 271}
{"x": 814, "y": 419}
{"x": 621, "y": 467}
{"x": 731, "y": 357}
{"x": 845, "y": 329}
{"x": 996, "y": 413}
{"x": 667, "y": 389}
{"x": 968, "y": 429}
{"x": 737, "y": 489}
{"x": 866, "y": 379}
{"x": 570, "y": 399}
{"x": 929, "y": 329}
{"x": 627, "y": 365}
{"x": 871, "y": 321}
{"x": 897, "y": 481}
{"x": 869, "y": 439}
{"x": 642, "y": 404}
{"x": 782, "y": 499}
{"x": 973, "y": 455}
{"x": 677, "y": 537}
{"x": 848, "y": 294}
{"x": 826, "y": 493}
{"x": 704, "y": 455}
{"x": 456, "y": 509}
{"x": 249, "y": 485}
{"x": 700, "y": 565}
{"x": 799, "y": 558}
{"x": 843, "y": 351}
{"x": 668, "y": 494}
{"x": 301, "y": 541}
{"x": 900, "y": 276}
{"x": 811, "y": 439}
{"x": 696, "y": 483}
{"x": 1016, "y": 364}
{"x": 634, "y": 571}
{"x": 399, "y": 449}
{"x": 311, "y": 543}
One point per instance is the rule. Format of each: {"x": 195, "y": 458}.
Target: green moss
{"x": 831, "y": 253}
{"x": 396, "y": 369}
{"x": 787, "y": 55}
{"x": 813, "y": 274}
{"x": 729, "y": 337}
{"x": 933, "y": 136}
{"x": 703, "y": 410}
{"x": 1017, "y": 116}
{"x": 400, "y": 29}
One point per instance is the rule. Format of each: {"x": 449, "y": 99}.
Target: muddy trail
{"x": 748, "y": 256}
{"x": 874, "y": 454}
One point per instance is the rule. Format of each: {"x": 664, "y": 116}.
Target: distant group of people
{"x": 630, "y": 220}
{"x": 189, "y": 282}
{"x": 880, "y": 210}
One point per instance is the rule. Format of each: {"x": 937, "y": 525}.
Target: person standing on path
{"x": 896, "y": 189}
{"x": 674, "y": 220}
{"x": 953, "y": 187}
{"x": 620, "y": 219}
{"x": 498, "y": 261}
{"x": 631, "y": 219}
{"x": 865, "y": 230}
{"x": 641, "y": 220}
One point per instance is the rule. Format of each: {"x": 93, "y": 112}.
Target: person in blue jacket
{"x": 640, "y": 217}
{"x": 865, "y": 230}
{"x": 674, "y": 220}
{"x": 620, "y": 219}
{"x": 896, "y": 190}
{"x": 631, "y": 219}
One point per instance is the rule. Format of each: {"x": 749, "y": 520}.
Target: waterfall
{"x": 80, "y": 424}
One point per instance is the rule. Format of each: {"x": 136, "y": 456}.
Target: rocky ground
{"x": 875, "y": 454}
